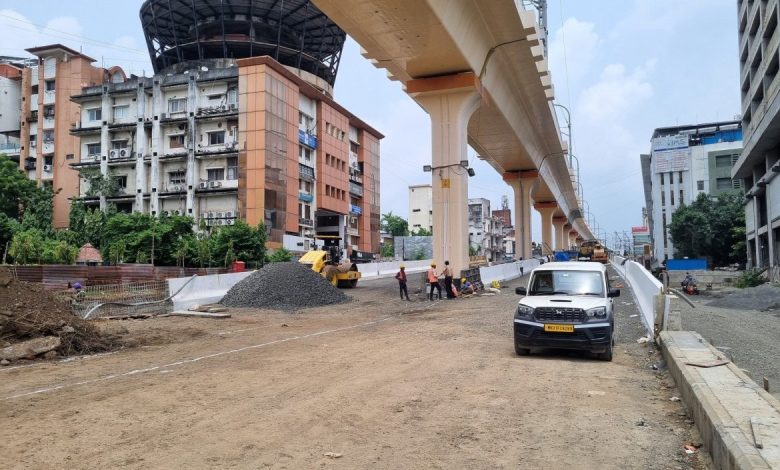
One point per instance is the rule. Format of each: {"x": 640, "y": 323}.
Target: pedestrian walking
{"x": 433, "y": 280}
{"x": 447, "y": 273}
{"x": 401, "y": 276}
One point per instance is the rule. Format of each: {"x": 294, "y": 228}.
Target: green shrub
{"x": 750, "y": 278}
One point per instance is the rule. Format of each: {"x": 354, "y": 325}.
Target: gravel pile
{"x": 283, "y": 286}
{"x": 762, "y": 298}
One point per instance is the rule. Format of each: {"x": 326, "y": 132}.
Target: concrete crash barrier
{"x": 203, "y": 289}
{"x": 506, "y": 271}
{"x": 389, "y": 268}
{"x": 648, "y": 292}
{"x": 738, "y": 420}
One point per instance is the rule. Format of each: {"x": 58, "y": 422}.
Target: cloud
{"x": 573, "y": 49}
{"x": 610, "y": 99}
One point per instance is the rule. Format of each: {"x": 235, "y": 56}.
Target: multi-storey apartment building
{"x": 47, "y": 114}
{"x": 759, "y": 163}
{"x": 686, "y": 161}
{"x": 222, "y": 139}
{"x": 486, "y": 233}
{"x": 10, "y": 105}
{"x": 420, "y": 207}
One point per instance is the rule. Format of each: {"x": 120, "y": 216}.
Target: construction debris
{"x": 283, "y": 286}
{"x": 29, "y": 312}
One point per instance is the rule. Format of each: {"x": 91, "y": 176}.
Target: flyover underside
{"x": 429, "y": 45}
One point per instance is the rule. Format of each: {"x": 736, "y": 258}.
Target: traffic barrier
{"x": 506, "y": 271}
{"x": 389, "y": 268}
{"x": 203, "y": 289}
{"x": 648, "y": 292}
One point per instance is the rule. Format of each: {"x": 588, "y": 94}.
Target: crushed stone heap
{"x": 283, "y": 286}
{"x": 28, "y": 312}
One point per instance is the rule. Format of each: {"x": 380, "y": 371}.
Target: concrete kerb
{"x": 722, "y": 401}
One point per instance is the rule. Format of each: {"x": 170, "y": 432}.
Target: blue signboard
{"x": 307, "y": 139}
{"x": 305, "y": 197}
{"x": 355, "y": 209}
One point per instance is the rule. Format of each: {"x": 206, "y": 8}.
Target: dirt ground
{"x": 377, "y": 382}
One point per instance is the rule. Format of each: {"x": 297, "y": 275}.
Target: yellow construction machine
{"x": 599, "y": 254}
{"x": 328, "y": 262}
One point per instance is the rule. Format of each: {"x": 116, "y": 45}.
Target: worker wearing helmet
{"x": 401, "y": 277}
{"x": 433, "y": 280}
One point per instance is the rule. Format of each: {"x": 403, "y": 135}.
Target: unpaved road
{"x": 384, "y": 383}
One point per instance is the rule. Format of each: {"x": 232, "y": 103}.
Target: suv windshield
{"x": 567, "y": 283}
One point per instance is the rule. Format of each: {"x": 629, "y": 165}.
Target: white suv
{"x": 567, "y": 305}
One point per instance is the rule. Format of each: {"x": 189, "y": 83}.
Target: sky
{"x": 622, "y": 67}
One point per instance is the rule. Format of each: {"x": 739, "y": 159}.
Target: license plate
{"x": 554, "y": 328}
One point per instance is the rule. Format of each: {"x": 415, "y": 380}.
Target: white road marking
{"x": 192, "y": 360}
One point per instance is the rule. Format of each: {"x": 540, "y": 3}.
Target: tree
{"x": 395, "y": 225}
{"x": 280, "y": 255}
{"x": 27, "y": 247}
{"x": 422, "y": 232}
{"x": 711, "y": 227}
{"x": 238, "y": 242}
{"x": 38, "y": 211}
{"x": 8, "y": 227}
{"x": 16, "y": 188}
{"x": 97, "y": 184}
{"x": 386, "y": 250}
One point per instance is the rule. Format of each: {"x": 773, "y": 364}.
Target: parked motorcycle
{"x": 689, "y": 285}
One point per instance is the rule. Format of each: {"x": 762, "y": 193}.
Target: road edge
{"x": 709, "y": 394}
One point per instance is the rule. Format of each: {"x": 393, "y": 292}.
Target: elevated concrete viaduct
{"x": 478, "y": 69}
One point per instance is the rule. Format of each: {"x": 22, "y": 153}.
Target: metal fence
{"x": 129, "y": 299}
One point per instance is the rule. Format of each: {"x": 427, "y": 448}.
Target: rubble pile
{"x": 283, "y": 286}
{"x": 34, "y": 321}
{"x": 764, "y": 297}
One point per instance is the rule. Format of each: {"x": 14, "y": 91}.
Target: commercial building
{"x": 47, "y": 114}
{"x": 686, "y": 161}
{"x": 252, "y": 137}
{"x": 759, "y": 61}
{"x": 420, "y": 207}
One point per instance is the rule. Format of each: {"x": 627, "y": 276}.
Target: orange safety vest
{"x": 432, "y": 278}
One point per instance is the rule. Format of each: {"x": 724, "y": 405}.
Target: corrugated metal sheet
{"x": 57, "y": 277}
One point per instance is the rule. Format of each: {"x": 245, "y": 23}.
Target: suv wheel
{"x": 521, "y": 351}
{"x": 607, "y": 355}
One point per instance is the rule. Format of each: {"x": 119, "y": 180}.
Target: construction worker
{"x": 401, "y": 276}
{"x": 433, "y": 280}
{"x": 447, "y": 273}
{"x": 466, "y": 288}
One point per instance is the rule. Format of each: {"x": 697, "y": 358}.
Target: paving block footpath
{"x": 738, "y": 421}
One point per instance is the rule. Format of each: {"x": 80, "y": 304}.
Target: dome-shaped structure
{"x": 294, "y": 32}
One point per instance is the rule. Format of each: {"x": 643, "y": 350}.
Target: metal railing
{"x": 135, "y": 298}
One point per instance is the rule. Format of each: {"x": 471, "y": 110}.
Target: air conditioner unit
{"x": 230, "y": 221}
{"x": 230, "y": 214}
{"x": 203, "y": 185}
{"x": 113, "y": 154}
{"x": 220, "y": 215}
{"x": 215, "y": 184}
{"x": 210, "y": 215}
{"x": 204, "y": 215}
{"x": 166, "y": 213}
{"x": 353, "y": 220}
{"x": 179, "y": 212}
{"x": 124, "y": 153}
{"x": 47, "y": 168}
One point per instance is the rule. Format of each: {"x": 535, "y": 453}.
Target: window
{"x": 33, "y": 140}
{"x": 213, "y": 98}
{"x": 177, "y": 177}
{"x": 177, "y": 105}
{"x": 50, "y": 85}
{"x": 121, "y": 181}
{"x": 215, "y": 174}
{"x": 722, "y": 161}
{"x": 232, "y": 168}
{"x": 671, "y": 197}
{"x": 176, "y": 141}
{"x": 305, "y": 122}
{"x": 69, "y": 156}
{"x": 722, "y": 184}
{"x": 662, "y": 179}
{"x": 679, "y": 177}
{"x": 48, "y": 112}
{"x": 48, "y": 136}
{"x": 415, "y": 210}
{"x": 121, "y": 112}
{"x": 34, "y": 89}
{"x": 94, "y": 114}
{"x": 216, "y": 138}
{"x": 700, "y": 185}
{"x": 663, "y": 197}
{"x": 682, "y": 200}
{"x": 304, "y": 153}
{"x": 232, "y": 96}
{"x": 93, "y": 150}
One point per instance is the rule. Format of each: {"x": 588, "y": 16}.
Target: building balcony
{"x": 29, "y": 164}
{"x": 48, "y": 147}
{"x": 49, "y": 97}
{"x": 86, "y": 127}
{"x": 122, "y": 123}
{"x": 206, "y": 112}
{"x": 48, "y": 121}
{"x": 207, "y": 150}
{"x": 305, "y": 222}
{"x": 173, "y": 117}
{"x": 10, "y": 149}
{"x": 306, "y": 172}
{"x": 305, "y": 197}
{"x": 32, "y": 116}
{"x": 217, "y": 185}
{"x": 355, "y": 189}
{"x": 355, "y": 177}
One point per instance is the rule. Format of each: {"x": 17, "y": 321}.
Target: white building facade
{"x": 686, "y": 161}
{"x": 420, "y": 207}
